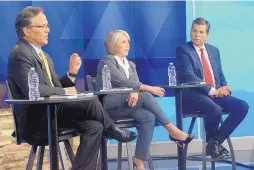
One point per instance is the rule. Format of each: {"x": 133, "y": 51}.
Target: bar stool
{"x": 122, "y": 122}
{"x": 63, "y": 136}
{"x": 198, "y": 114}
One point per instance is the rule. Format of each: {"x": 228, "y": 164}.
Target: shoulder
{"x": 108, "y": 60}
{"x": 20, "y": 49}
{"x": 185, "y": 47}
{"x": 132, "y": 64}
{"x": 211, "y": 47}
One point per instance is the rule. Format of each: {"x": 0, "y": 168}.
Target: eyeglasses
{"x": 40, "y": 26}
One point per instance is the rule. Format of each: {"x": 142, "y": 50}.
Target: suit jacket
{"x": 189, "y": 68}
{"x": 118, "y": 79}
{"x": 32, "y": 119}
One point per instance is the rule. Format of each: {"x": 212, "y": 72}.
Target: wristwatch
{"x": 72, "y": 75}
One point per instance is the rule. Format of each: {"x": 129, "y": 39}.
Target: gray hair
{"x": 111, "y": 40}
{"x": 23, "y": 19}
{"x": 202, "y": 21}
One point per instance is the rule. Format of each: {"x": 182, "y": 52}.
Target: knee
{"x": 96, "y": 127}
{"x": 146, "y": 95}
{"x": 99, "y": 126}
{"x": 244, "y": 106}
{"x": 149, "y": 118}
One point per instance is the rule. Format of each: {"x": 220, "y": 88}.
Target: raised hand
{"x": 75, "y": 63}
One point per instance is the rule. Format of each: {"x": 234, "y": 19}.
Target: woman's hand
{"x": 158, "y": 91}
{"x": 132, "y": 99}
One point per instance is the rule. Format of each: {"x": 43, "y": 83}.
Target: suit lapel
{"x": 211, "y": 59}
{"x": 196, "y": 58}
{"x": 32, "y": 50}
{"x": 120, "y": 68}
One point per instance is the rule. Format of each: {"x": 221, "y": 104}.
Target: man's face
{"x": 198, "y": 35}
{"x": 37, "y": 32}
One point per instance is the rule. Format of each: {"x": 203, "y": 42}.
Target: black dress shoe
{"x": 119, "y": 134}
{"x": 214, "y": 149}
{"x": 221, "y": 149}
{"x": 186, "y": 141}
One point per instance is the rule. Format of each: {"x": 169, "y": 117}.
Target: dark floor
{"x": 245, "y": 161}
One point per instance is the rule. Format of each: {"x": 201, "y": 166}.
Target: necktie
{"x": 206, "y": 70}
{"x": 45, "y": 62}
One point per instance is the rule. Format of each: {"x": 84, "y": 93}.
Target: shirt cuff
{"x": 71, "y": 78}
{"x": 212, "y": 91}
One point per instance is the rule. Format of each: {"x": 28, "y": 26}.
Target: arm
{"x": 143, "y": 87}
{"x": 65, "y": 80}
{"x": 185, "y": 70}
{"x": 222, "y": 77}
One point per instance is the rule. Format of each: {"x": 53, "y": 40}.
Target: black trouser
{"x": 90, "y": 119}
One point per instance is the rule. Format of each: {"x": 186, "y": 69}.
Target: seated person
{"x": 140, "y": 105}
{"x": 197, "y": 61}
{"x": 88, "y": 117}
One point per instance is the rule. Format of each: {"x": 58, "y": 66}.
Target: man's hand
{"x": 223, "y": 91}
{"x": 70, "y": 90}
{"x": 75, "y": 63}
{"x": 158, "y": 91}
{"x": 132, "y": 99}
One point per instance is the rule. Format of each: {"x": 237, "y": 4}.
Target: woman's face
{"x": 122, "y": 46}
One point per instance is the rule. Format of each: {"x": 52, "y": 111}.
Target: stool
{"x": 194, "y": 116}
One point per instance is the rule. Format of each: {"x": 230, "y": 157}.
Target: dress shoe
{"x": 186, "y": 141}
{"x": 119, "y": 134}
{"x": 214, "y": 149}
{"x": 221, "y": 149}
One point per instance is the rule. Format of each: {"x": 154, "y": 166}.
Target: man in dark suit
{"x": 197, "y": 61}
{"x": 88, "y": 117}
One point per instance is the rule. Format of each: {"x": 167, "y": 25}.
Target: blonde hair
{"x": 111, "y": 40}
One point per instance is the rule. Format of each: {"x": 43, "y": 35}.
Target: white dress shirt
{"x": 212, "y": 91}
{"x": 125, "y": 64}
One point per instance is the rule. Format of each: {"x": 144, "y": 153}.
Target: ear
{"x": 26, "y": 31}
{"x": 207, "y": 36}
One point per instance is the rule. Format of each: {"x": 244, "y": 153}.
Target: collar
{"x": 198, "y": 48}
{"x": 38, "y": 50}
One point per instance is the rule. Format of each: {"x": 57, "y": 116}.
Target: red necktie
{"x": 206, "y": 69}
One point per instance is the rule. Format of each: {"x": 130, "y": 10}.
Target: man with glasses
{"x": 88, "y": 117}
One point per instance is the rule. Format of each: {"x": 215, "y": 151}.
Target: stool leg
{"x": 63, "y": 157}
{"x": 98, "y": 164}
{"x": 69, "y": 150}
{"x": 204, "y": 145}
{"x": 213, "y": 165}
{"x": 119, "y": 156}
{"x": 231, "y": 149}
{"x": 232, "y": 153}
{"x": 150, "y": 163}
{"x": 193, "y": 120}
{"x": 129, "y": 156}
{"x": 40, "y": 158}
{"x": 31, "y": 158}
{"x": 103, "y": 153}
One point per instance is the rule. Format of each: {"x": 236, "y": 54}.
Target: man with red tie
{"x": 197, "y": 61}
